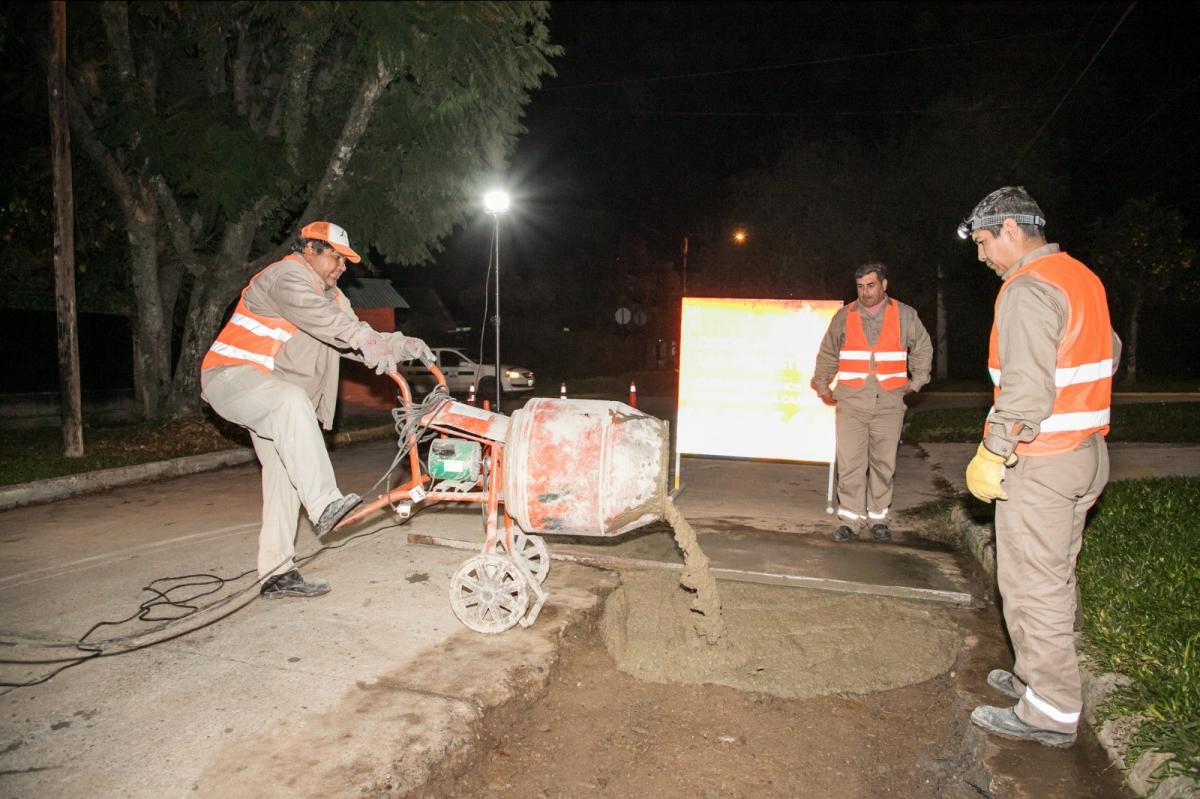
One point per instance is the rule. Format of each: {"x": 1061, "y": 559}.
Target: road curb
{"x": 40, "y": 491}
{"x": 1113, "y": 734}
{"x": 72, "y": 485}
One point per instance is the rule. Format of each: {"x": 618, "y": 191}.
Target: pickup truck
{"x": 463, "y": 370}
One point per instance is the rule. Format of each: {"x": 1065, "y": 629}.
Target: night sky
{"x": 657, "y": 107}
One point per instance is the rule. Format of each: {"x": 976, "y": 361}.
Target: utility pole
{"x": 943, "y": 340}
{"x": 64, "y": 234}
{"x": 685, "y": 249}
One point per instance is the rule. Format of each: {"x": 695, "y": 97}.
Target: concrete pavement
{"x": 372, "y": 685}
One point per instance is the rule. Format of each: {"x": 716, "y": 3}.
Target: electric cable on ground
{"x": 407, "y": 420}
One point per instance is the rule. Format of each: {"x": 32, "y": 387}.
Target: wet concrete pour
{"x": 600, "y": 732}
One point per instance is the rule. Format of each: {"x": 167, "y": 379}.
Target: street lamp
{"x": 740, "y": 235}
{"x": 496, "y": 202}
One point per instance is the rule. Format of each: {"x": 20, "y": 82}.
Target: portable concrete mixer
{"x": 556, "y": 466}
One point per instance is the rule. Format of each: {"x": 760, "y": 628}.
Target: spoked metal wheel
{"x": 488, "y": 594}
{"x": 532, "y": 551}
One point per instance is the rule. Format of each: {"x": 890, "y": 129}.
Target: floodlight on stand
{"x": 496, "y": 201}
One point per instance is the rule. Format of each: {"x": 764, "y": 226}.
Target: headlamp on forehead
{"x": 968, "y": 225}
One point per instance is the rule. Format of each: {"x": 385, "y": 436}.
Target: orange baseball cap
{"x": 332, "y": 234}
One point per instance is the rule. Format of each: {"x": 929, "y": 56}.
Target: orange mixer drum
{"x": 584, "y": 467}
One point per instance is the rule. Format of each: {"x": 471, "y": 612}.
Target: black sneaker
{"x": 292, "y": 584}
{"x": 844, "y": 533}
{"x": 335, "y": 511}
{"x": 880, "y": 532}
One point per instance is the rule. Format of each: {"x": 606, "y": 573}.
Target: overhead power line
{"x": 814, "y": 62}
{"x": 1045, "y": 124}
{"x": 752, "y": 114}
{"x": 1186, "y": 88}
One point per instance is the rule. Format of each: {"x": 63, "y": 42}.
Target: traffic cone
{"x": 562, "y": 391}
{"x": 632, "y": 394}
{"x": 471, "y": 395}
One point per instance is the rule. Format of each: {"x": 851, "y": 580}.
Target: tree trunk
{"x": 152, "y": 362}
{"x": 206, "y": 311}
{"x": 943, "y": 342}
{"x": 1131, "y": 346}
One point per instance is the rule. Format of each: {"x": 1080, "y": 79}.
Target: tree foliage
{"x": 1142, "y": 255}
{"x": 825, "y": 206}
{"x": 219, "y": 128}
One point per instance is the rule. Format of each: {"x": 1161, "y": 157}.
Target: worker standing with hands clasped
{"x": 878, "y": 351}
{"x": 273, "y": 369}
{"x": 1051, "y": 356}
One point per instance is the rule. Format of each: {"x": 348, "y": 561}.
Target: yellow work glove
{"x": 984, "y": 473}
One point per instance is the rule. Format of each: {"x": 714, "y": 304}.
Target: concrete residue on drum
{"x": 584, "y": 467}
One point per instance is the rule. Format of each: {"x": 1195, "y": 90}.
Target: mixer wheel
{"x": 488, "y": 594}
{"x": 532, "y": 551}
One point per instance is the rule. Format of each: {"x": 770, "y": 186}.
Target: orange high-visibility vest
{"x": 1083, "y": 368}
{"x": 887, "y": 360}
{"x": 249, "y": 338}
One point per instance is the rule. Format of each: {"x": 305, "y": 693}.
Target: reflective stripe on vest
{"x": 1083, "y": 366}
{"x": 887, "y": 360}
{"x": 249, "y": 339}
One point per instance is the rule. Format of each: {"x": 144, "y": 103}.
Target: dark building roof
{"x": 371, "y": 292}
{"x": 427, "y": 315}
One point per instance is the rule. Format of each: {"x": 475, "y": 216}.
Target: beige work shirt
{"x": 290, "y": 289}
{"x": 913, "y": 336}
{"x": 1030, "y": 319}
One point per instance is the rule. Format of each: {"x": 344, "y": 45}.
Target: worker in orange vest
{"x": 877, "y": 350}
{"x": 273, "y": 369}
{"x": 1051, "y": 357}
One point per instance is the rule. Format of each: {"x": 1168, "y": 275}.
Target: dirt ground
{"x": 600, "y": 732}
{"x": 887, "y": 719}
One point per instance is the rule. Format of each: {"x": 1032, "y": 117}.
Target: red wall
{"x": 360, "y": 389}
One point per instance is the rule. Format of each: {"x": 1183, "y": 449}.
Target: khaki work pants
{"x": 867, "y": 440}
{"x": 1039, "y": 530}
{"x": 287, "y": 439}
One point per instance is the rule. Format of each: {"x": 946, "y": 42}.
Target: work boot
{"x": 1002, "y": 681}
{"x": 335, "y": 511}
{"x": 292, "y": 584}
{"x": 1003, "y": 721}
{"x": 844, "y": 533}
{"x": 880, "y": 532}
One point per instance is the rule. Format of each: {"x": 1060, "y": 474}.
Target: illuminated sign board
{"x": 744, "y": 371}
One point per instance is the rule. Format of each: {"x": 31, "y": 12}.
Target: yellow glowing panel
{"x": 744, "y": 371}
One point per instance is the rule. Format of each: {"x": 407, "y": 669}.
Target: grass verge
{"x": 1152, "y": 422}
{"x": 1139, "y": 573}
{"x": 28, "y": 455}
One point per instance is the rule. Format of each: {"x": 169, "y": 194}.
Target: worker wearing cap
{"x": 1051, "y": 356}
{"x": 273, "y": 369}
{"x": 878, "y": 351}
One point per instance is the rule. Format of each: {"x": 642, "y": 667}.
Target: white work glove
{"x": 407, "y": 348}
{"x": 377, "y": 354}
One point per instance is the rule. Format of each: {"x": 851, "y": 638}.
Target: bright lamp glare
{"x": 495, "y": 201}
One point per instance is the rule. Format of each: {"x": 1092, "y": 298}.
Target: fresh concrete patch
{"x": 789, "y": 642}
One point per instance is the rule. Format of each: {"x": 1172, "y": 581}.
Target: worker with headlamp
{"x": 1051, "y": 356}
